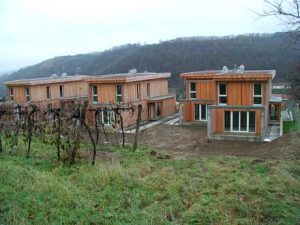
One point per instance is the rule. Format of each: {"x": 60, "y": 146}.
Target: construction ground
{"x": 169, "y": 139}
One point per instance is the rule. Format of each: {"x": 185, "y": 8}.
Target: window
{"x": 94, "y": 94}
{"x": 251, "y": 121}
{"x": 119, "y": 92}
{"x": 239, "y": 121}
{"x": 11, "y": 93}
{"x": 27, "y": 94}
{"x": 138, "y": 91}
{"x": 148, "y": 90}
{"x": 107, "y": 116}
{"x": 257, "y": 94}
{"x": 227, "y": 120}
{"x": 222, "y": 94}
{"x": 235, "y": 121}
{"x": 158, "y": 110}
{"x": 192, "y": 90}
{"x": 61, "y": 91}
{"x": 48, "y": 92}
{"x": 201, "y": 112}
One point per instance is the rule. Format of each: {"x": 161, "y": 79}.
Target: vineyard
{"x": 66, "y": 128}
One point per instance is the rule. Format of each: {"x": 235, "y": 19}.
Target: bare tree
{"x": 138, "y": 122}
{"x": 288, "y": 11}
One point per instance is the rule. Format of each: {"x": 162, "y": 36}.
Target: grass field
{"x": 137, "y": 188}
{"x": 289, "y": 126}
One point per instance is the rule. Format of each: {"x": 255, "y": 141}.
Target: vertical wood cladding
{"x": 241, "y": 93}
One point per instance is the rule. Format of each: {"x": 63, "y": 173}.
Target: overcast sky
{"x": 34, "y": 30}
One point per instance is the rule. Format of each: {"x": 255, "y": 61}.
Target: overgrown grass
{"x": 136, "y": 188}
{"x": 289, "y": 126}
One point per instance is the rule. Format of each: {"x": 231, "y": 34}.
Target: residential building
{"x": 235, "y": 104}
{"x": 103, "y": 91}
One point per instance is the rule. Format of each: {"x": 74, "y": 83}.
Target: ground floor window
{"x": 201, "y": 112}
{"x": 107, "y": 117}
{"x": 239, "y": 121}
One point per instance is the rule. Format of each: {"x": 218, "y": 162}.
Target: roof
{"x": 109, "y": 78}
{"x": 283, "y": 96}
{"x": 275, "y": 98}
{"x": 45, "y": 80}
{"x": 158, "y": 98}
{"x": 235, "y": 74}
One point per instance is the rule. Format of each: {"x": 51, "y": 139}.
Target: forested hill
{"x": 255, "y": 51}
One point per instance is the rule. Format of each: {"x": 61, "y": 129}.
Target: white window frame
{"x": 222, "y": 95}
{"x": 192, "y": 92}
{"x": 110, "y": 117}
{"x": 95, "y": 94}
{"x": 119, "y": 95}
{"x": 200, "y": 112}
{"x": 27, "y": 94}
{"x": 239, "y": 130}
{"x": 258, "y": 96}
{"x": 61, "y": 93}
{"x": 48, "y": 88}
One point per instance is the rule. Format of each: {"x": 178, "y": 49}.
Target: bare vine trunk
{"x": 138, "y": 122}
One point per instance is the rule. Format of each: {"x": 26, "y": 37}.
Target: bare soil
{"x": 191, "y": 140}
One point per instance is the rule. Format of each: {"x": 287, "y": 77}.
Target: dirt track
{"x": 191, "y": 140}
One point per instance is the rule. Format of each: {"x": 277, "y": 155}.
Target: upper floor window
{"x": 223, "y": 93}
{"x": 61, "y": 91}
{"x": 192, "y": 90}
{"x": 27, "y": 94}
{"x": 148, "y": 90}
{"x": 11, "y": 93}
{"x": 257, "y": 94}
{"x": 48, "y": 92}
{"x": 95, "y": 94}
{"x": 138, "y": 91}
{"x": 119, "y": 93}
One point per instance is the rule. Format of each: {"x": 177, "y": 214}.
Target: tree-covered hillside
{"x": 255, "y": 51}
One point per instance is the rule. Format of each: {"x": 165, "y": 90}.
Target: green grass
{"x": 289, "y": 126}
{"x": 139, "y": 189}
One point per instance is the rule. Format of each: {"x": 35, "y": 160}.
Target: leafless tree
{"x": 138, "y": 122}
{"x": 288, "y": 11}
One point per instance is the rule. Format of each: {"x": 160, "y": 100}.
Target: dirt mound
{"x": 191, "y": 140}
{"x": 284, "y": 147}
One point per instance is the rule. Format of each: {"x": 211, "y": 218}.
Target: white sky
{"x": 34, "y": 30}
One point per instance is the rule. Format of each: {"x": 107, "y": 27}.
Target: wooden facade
{"x": 106, "y": 91}
{"x": 229, "y": 101}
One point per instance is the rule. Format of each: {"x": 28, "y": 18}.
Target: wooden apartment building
{"x": 235, "y": 104}
{"x": 105, "y": 91}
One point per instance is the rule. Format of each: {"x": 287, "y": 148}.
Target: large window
{"x": 119, "y": 93}
{"x": 192, "y": 90}
{"x": 27, "y": 94}
{"x": 107, "y": 116}
{"x": 257, "y": 94}
{"x": 11, "y": 93}
{"x": 222, "y": 94}
{"x": 201, "y": 112}
{"x": 94, "y": 94}
{"x": 239, "y": 121}
{"x": 61, "y": 91}
{"x": 48, "y": 92}
{"x": 138, "y": 91}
